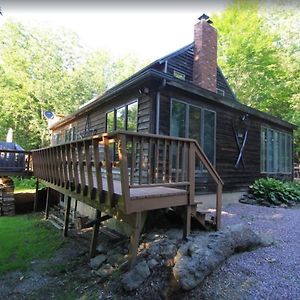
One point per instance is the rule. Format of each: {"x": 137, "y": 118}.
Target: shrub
{"x": 274, "y": 191}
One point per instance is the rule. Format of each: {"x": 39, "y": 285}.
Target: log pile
{"x": 7, "y": 200}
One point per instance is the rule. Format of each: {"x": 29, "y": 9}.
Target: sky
{"x": 148, "y": 30}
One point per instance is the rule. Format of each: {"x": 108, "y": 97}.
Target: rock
{"x": 117, "y": 250}
{"x": 116, "y": 259}
{"x": 168, "y": 250}
{"x": 152, "y": 263}
{"x": 282, "y": 205}
{"x": 134, "y": 278}
{"x": 200, "y": 257}
{"x": 97, "y": 261}
{"x": 174, "y": 234}
{"x": 105, "y": 271}
{"x": 267, "y": 240}
{"x": 153, "y": 250}
{"x": 102, "y": 248}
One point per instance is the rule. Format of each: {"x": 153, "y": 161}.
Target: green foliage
{"x": 274, "y": 191}
{"x": 44, "y": 70}
{"x": 259, "y": 53}
{"x": 23, "y": 239}
{"x": 25, "y": 184}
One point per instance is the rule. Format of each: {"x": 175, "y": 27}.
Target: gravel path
{"x": 266, "y": 273}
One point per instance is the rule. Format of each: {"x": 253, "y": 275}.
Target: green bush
{"x": 22, "y": 184}
{"x": 274, "y": 191}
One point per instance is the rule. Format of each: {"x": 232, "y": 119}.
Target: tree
{"x": 44, "y": 70}
{"x": 256, "y": 59}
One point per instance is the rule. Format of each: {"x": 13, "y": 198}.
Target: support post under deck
{"x": 67, "y": 217}
{"x": 187, "y": 221}
{"x": 47, "y": 204}
{"x": 134, "y": 239}
{"x": 95, "y": 234}
{"x": 36, "y": 195}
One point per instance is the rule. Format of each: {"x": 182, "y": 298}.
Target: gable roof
{"x": 163, "y": 69}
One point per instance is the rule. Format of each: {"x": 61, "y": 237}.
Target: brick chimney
{"x": 205, "y": 54}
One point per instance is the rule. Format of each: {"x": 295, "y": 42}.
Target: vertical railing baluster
{"x": 122, "y": 153}
{"x": 164, "y": 171}
{"x": 177, "y": 160}
{"x": 108, "y": 167}
{"x": 133, "y": 160}
{"x": 97, "y": 166}
{"x": 74, "y": 157}
{"x": 69, "y": 162}
{"x": 89, "y": 168}
{"x": 170, "y": 160}
{"x": 156, "y": 160}
{"x": 81, "y": 168}
{"x": 140, "y": 160}
{"x": 183, "y": 161}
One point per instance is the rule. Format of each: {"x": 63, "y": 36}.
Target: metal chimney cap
{"x": 206, "y": 18}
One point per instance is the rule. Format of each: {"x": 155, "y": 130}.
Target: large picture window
{"x": 194, "y": 122}
{"x": 124, "y": 117}
{"x": 276, "y": 151}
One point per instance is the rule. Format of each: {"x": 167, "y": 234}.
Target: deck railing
{"x": 97, "y": 166}
{"x": 15, "y": 162}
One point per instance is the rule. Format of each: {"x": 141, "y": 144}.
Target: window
{"x": 196, "y": 123}
{"x": 179, "y": 75}
{"x": 70, "y": 134}
{"x": 276, "y": 151}
{"x": 132, "y": 110}
{"x": 220, "y": 92}
{"x": 122, "y": 118}
{"x": 178, "y": 119}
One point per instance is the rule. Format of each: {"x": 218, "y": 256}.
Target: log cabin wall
{"x": 93, "y": 121}
{"x": 227, "y": 151}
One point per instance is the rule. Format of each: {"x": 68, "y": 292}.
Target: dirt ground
{"x": 265, "y": 273}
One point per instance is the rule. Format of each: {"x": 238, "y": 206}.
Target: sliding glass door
{"x": 196, "y": 123}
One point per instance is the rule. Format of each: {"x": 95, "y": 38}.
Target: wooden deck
{"x": 127, "y": 174}
{"x": 15, "y": 163}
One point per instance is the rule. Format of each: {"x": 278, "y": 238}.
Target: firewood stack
{"x": 7, "y": 200}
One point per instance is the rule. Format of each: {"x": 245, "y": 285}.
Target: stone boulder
{"x": 97, "y": 261}
{"x": 135, "y": 277}
{"x": 201, "y": 255}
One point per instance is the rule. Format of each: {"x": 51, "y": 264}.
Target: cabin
{"x": 171, "y": 131}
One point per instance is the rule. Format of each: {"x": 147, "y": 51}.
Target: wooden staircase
{"x": 125, "y": 174}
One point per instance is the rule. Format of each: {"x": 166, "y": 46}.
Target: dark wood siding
{"x": 227, "y": 150}
{"x": 97, "y": 117}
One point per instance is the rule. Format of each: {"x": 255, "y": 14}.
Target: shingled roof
{"x": 180, "y": 65}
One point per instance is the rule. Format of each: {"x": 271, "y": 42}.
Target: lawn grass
{"x": 24, "y": 239}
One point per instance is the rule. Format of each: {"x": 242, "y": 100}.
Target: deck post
{"x": 134, "y": 239}
{"x": 95, "y": 234}
{"x": 67, "y": 217}
{"x": 36, "y": 195}
{"x": 218, "y": 206}
{"x": 187, "y": 221}
{"x": 47, "y": 204}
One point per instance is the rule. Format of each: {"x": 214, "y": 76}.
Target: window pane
{"x": 270, "y": 150}
{"x": 276, "y": 151}
{"x": 178, "y": 119}
{"x": 289, "y": 153}
{"x": 282, "y": 152}
{"x": 121, "y": 118}
{"x": 209, "y": 135}
{"x": 264, "y": 150}
{"x": 286, "y": 153}
{"x": 110, "y": 121}
{"x": 132, "y": 116}
{"x": 195, "y": 123}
